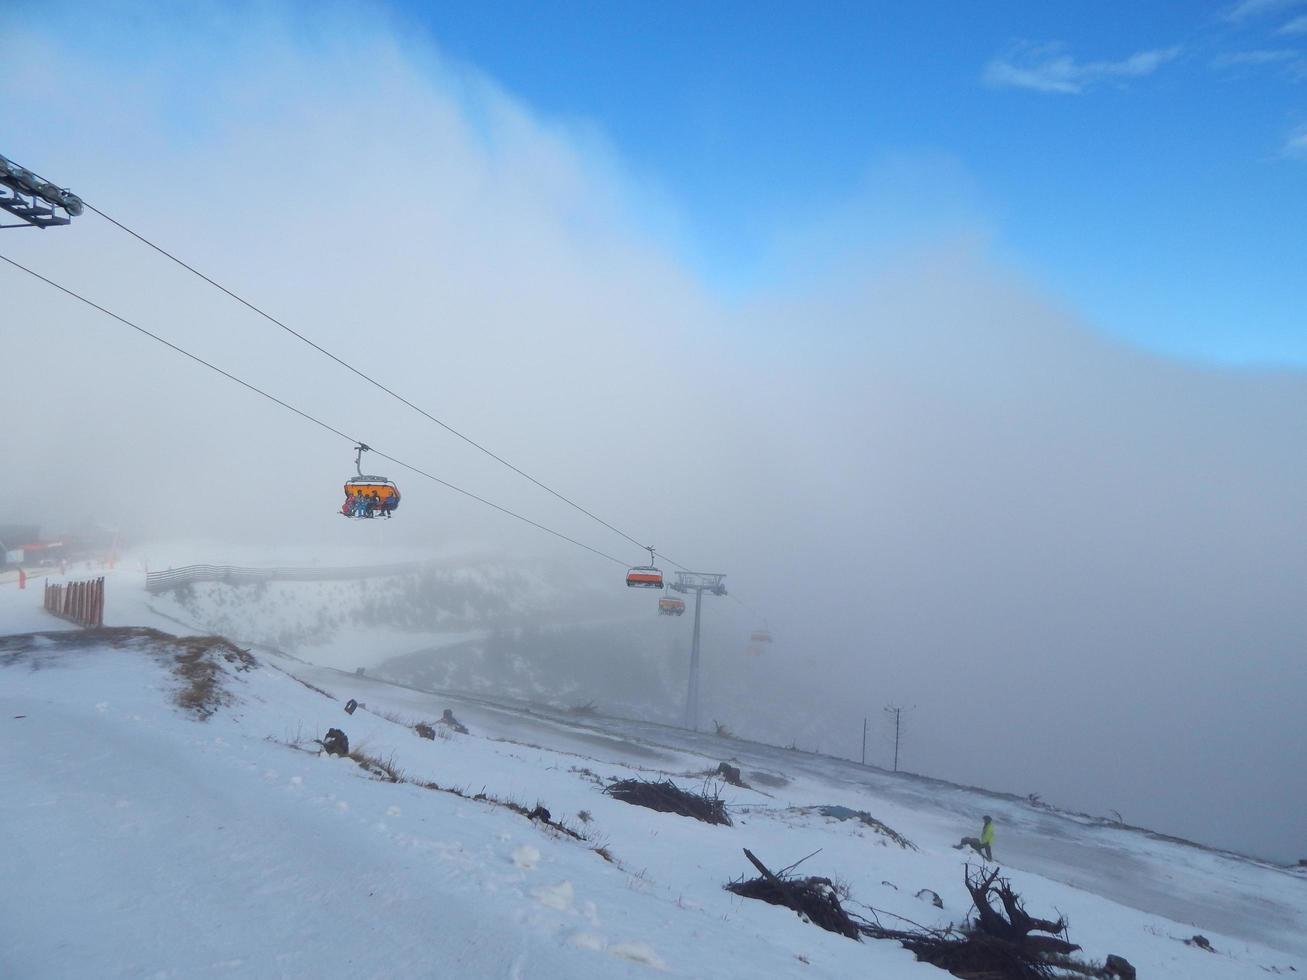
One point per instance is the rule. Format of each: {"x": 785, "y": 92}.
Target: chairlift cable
{"x": 372, "y": 381}
{"x": 746, "y": 606}
{"x": 174, "y": 347}
{"x": 302, "y": 414}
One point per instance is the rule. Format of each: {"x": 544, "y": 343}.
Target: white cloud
{"x": 1048, "y": 68}
{"x": 1262, "y": 57}
{"x": 1022, "y": 485}
{"x": 1246, "y": 9}
{"x": 1296, "y": 26}
{"x": 1296, "y": 145}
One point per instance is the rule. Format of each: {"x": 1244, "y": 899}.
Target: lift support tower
{"x": 698, "y": 583}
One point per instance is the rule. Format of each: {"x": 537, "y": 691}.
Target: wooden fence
{"x": 77, "y": 602}
{"x": 232, "y": 575}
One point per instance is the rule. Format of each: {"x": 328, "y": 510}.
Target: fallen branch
{"x": 814, "y": 899}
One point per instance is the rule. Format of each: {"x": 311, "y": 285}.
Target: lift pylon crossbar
{"x": 39, "y": 203}
{"x": 694, "y": 581}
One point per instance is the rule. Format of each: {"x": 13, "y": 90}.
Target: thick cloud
{"x": 1081, "y": 563}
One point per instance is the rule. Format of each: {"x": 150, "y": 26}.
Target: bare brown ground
{"x": 200, "y": 663}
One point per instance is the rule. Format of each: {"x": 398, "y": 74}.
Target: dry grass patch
{"x": 199, "y": 664}
{"x": 667, "y": 797}
{"x": 863, "y": 818}
{"x": 379, "y": 768}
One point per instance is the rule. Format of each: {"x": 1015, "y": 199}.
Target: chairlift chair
{"x": 668, "y": 606}
{"x": 385, "y": 491}
{"x": 645, "y": 576}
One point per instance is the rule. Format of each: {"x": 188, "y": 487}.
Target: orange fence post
{"x": 80, "y": 602}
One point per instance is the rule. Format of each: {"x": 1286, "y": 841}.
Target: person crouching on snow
{"x": 982, "y": 845}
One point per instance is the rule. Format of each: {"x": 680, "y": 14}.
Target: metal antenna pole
{"x": 897, "y": 711}
{"x": 698, "y": 583}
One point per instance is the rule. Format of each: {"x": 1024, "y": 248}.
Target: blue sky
{"x": 1137, "y": 160}
{"x": 1145, "y": 164}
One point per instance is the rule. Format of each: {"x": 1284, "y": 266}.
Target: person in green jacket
{"x": 984, "y": 844}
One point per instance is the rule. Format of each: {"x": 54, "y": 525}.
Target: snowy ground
{"x": 144, "y": 842}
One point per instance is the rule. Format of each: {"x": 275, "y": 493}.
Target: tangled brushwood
{"x": 667, "y": 797}
{"x": 1004, "y": 942}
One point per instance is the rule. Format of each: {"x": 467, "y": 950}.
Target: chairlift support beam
{"x": 697, "y": 582}
{"x": 39, "y": 203}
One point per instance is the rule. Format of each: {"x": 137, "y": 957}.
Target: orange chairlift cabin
{"x": 668, "y": 606}
{"x": 645, "y": 576}
{"x": 368, "y": 496}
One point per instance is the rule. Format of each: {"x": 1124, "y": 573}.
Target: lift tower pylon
{"x": 698, "y": 583}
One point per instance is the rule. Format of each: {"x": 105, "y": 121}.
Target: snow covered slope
{"x": 474, "y": 624}
{"x": 148, "y": 838}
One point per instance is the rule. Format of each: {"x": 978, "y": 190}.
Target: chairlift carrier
{"x": 386, "y": 491}
{"x": 667, "y": 606}
{"x": 645, "y": 576}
